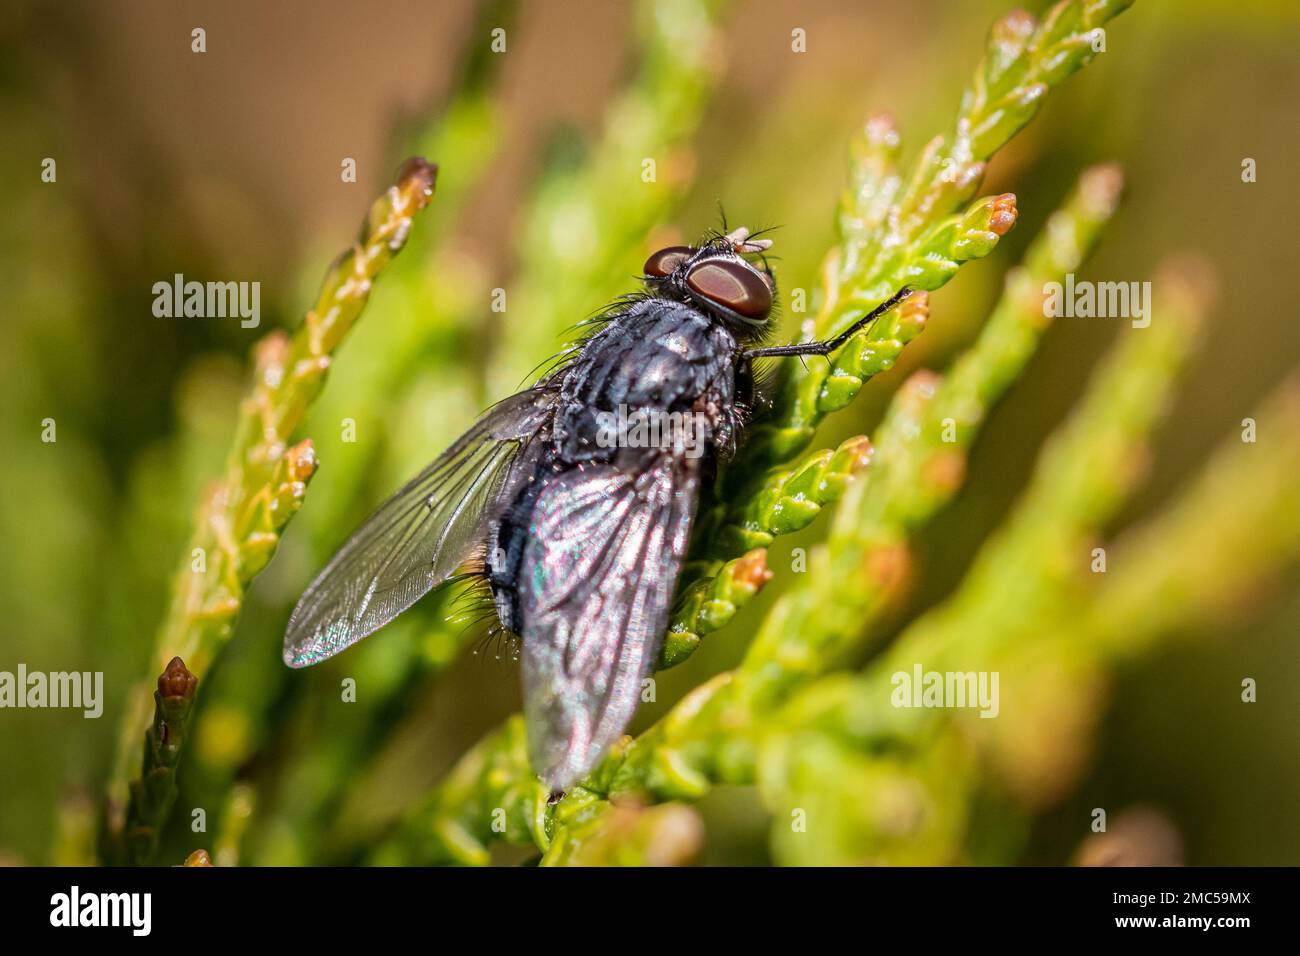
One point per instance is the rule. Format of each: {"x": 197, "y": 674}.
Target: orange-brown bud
{"x": 176, "y": 680}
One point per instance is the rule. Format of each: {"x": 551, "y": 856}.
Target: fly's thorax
{"x": 653, "y": 379}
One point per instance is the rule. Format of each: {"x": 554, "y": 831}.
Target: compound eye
{"x": 733, "y": 285}
{"x": 665, "y": 261}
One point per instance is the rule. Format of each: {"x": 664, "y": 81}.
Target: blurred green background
{"x": 226, "y": 166}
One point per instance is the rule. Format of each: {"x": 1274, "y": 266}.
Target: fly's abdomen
{"x": 595, "y": 587}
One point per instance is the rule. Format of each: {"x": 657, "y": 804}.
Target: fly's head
{"x": 718, "y": 278}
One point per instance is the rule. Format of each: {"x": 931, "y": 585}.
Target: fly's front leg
{"x": 829, "y": 346}
{"x": 749, "y": 395}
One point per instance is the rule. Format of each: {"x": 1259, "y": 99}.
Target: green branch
{"x": 895, "y": 232}
{"x": 433, "y": 299}
{"x": 1014, "y": 614}
{"x": 780, "y": 502}
{"x": 154, "y": 792}
{"x": 240, "y": 520}
{"x": 1052, "y": 637}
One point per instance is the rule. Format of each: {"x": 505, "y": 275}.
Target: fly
{"x": 576, "y": 497}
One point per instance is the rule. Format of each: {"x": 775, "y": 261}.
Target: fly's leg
{"x": 827, "y": 347}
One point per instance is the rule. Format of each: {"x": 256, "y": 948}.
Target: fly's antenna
{"x": 741, "y": 240}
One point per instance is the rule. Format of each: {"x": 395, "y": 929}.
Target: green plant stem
{"x": 154, "y": 792}
{"x": 897, "y": 232}
{"x": 894, "y": 232}
{"x": 240, "y": 521}
{"x": 1008, "y": 617}
{"x": 434, "y": 302}
{"x": 784, "y": 501}
{"x": 1159, "y": 584}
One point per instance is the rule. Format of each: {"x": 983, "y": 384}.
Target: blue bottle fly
{"x": 573, "y": 500}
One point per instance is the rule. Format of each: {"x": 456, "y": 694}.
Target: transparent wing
{"x": 596, "y": 585}
{"x": 418, "y": 537}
